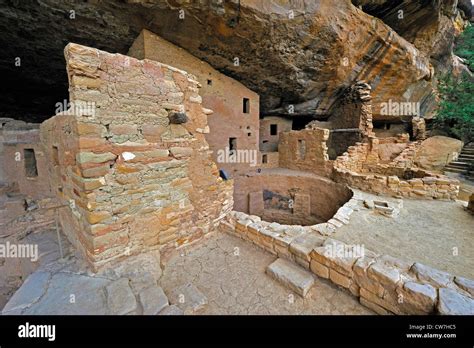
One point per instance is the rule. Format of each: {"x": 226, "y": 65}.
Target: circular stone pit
{"x": 289, "y": 197}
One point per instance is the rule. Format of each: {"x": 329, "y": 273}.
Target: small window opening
{"x": 31, "y": 170}
{"x": 232, "y": 144}
{"x": 55, "y": 155}
{"x": 264, "y": 159}
{"x": 246, "y": 105}
{"x": 273, "y": 129}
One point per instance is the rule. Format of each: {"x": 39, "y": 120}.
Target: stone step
{"x": 454, "y": 170}
{"x": 466, "y": 158}
{"x": 457, "y": 167}
{"x": 292, "y": 276}
{"x": 458, "y": 164}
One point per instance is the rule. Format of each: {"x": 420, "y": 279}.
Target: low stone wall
{"x": 363, "y": 157}
{"x": 360, "y": 167}
{"x": 385, "y": 284}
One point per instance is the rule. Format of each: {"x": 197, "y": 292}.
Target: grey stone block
{"x": 291, "y": 275}
{"x": 153, "y": 300}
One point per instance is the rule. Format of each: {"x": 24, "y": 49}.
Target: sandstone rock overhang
{"x": 291, "y": 53}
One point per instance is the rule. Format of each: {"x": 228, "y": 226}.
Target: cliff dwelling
{"x": 175, "y": 170}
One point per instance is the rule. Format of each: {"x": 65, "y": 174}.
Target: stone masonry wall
{"x": 305, "y": 150}
{"x": 60, "y": 136}
{"x": 340, "y": 140}
{"x": 269, "y": 142}
{"x": 419, "y": 128}
{"x": 132, "y": 176}
{"x": 270, "y": 160}
{"x": 355, "y": 110}
{"x": 222, "y": 96}
{"x": 360, "y": 167}
{"x": 16, "y": 137}
{"x": 383, "y": 283}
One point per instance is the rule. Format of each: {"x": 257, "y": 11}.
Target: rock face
{"x": 435, "y": 152}
{"x": 428, "y": 25}
{"x": 300, "y": 53}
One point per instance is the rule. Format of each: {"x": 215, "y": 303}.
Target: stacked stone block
{"x": 360, "y": 167}
{"x": 315, "y": 157}
{"x": 15, "y": 137}
{"x": 419, "y": 128}
{"x": 272, "y": 160}
{"x": 355, "y": 109}
{"x": 133, "y": 180}
{"x": 383, "y": 283}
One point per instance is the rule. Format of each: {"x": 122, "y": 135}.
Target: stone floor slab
{"x": 153, "y": 300}
{"x": 189, "y": 298}
{"x": 171, "y": 310}
{"x": 70, "y": 294}
{"x": 33, "y": 288}
{"x": 120, "y": 298}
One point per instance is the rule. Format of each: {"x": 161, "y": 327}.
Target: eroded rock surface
{"x": 435, "y": 152}
{"x": 301, "y": 53}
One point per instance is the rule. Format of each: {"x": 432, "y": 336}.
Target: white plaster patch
{"x": 127, "y": 156}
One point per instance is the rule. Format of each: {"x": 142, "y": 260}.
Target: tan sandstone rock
{"x": 435, "y": 152}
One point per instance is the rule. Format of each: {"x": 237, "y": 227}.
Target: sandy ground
{"x": 437, "y": 233}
